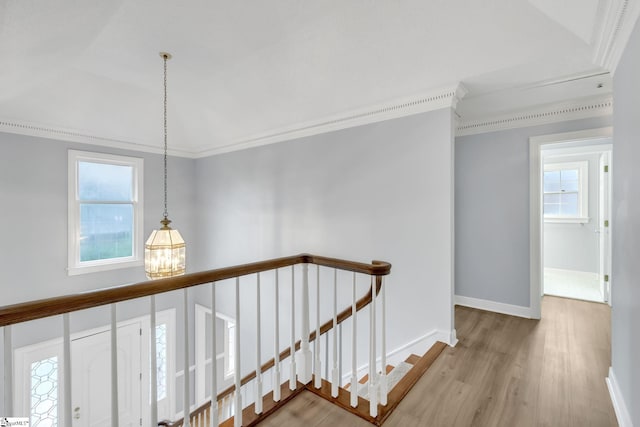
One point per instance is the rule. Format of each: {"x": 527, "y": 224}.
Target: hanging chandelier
{"x": 164, "y": 252}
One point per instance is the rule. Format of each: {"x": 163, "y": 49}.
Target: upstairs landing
{"x": 505, "y": 371}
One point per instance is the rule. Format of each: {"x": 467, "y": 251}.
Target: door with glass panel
{"x": 39, "y": 373}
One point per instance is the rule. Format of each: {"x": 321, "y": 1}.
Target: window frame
{"x": 583, "y": 191}
{"x": 75, "y": 266}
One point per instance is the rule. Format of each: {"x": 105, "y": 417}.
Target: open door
{"x": 604, "y": 215}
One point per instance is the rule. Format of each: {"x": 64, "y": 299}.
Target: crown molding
{"x": 559, "y": 112}
{"x": 72, "y": 135}
{"x": 619, "y": 20}
{"x": 445, "y": 97}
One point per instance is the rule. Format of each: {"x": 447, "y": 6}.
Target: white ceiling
{"x": 245, "y": 70}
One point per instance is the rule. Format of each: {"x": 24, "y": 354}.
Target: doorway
{"x": 600, "y": 136}
{"x": 39, "y": 373}
{"x": 575, "y": 195}
{"x": 91, "y": 379}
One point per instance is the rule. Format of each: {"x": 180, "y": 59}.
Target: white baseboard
{"x": 622, "y": 413}
{"x": 497, "y": 307}
{"x": 417, "y": 346}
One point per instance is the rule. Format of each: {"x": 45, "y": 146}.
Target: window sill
{"x": 103, "y": 266}
{"x": 558, "y": 220}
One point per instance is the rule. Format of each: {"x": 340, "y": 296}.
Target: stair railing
{"x": 305, "y": 367}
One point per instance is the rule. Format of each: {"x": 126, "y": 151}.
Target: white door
{"x": 91, "y": 379}
{"x": 603, "y": 227}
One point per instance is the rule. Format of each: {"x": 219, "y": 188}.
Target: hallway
{"x": 505, "y": 371}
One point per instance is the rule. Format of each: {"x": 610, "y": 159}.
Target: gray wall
{"x": 492, "y": 211}
{"x": 625, "y": 280}
{"x": 571, "y": 246}
{"x": 379, "y": 191}
{"x": 33, "y": 256}
{"x": 33, "y": 191}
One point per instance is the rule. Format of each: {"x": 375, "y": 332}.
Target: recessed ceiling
{"x": 246, "y": 70}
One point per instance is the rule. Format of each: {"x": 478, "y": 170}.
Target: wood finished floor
{"x": 505, "y": 371}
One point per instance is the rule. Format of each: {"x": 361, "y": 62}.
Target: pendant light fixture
{"x": 164, "y": 252}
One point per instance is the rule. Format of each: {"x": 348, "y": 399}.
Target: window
{"x": 565, "y": 192}
{"x": 105, "y": 212}
{"x": 229, "y": 348}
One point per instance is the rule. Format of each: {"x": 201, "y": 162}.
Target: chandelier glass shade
{"x": 164, "y": 252}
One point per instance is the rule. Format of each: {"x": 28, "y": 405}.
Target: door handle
{"x": 76, "y": 413}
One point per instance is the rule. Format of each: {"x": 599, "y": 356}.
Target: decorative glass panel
{"x": 161, "y": 360}
{"x": 106, "y": 231}
{"x": 44, "y": 393}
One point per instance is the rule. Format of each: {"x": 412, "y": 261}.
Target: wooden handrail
{"x": 33, "y": 310}
{"x": 327, "y": 326}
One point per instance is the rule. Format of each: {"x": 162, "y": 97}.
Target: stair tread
{"x": 413, "y": 359}
{"x": 393, "y": 378}
{"x": 365, "y": 378}
{"x": 394, "y": 397}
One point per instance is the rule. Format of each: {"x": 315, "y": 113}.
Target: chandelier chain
{"x": 166, "y": 214}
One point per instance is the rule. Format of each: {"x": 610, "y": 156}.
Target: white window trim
{"x": 583, "y": 192}
{"x": 75, "y": 266}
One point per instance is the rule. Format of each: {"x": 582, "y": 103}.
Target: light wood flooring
{"x": 505, "y": 371}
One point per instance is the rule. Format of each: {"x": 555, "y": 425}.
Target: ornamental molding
{"x": 619, "y": 18}
{"x": 552, "y": 113}
{"x": 445, "y": 97}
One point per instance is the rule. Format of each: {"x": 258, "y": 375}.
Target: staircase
{"x": 401, "y": 379}
{"x": 289, "y": 290}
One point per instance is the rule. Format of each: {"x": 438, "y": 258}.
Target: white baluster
{"x": 304, "y": 355}
{"x": 8, "y": 372}
{"x": 258, "y": 396}
{"x": 276, "y": 338}
{"x": 292, "y": 372}
{"x": 326, "y": 356}
{"x": 373, "y": 371}
{"x": 187, "y": 400}
{"x": 153, "y": 380}
{"x": 114, "y": 368}
{"x": 213, "y": 413}
{"x": 340, "y": 343}
{"x": 66, "y": 354}
{"x": 335, "y": 376}
{"x": 383, "y": 351}
{"x": 237, "y": 375}
{"x": 354, "y": 360}
{"x": 316, "y": 347}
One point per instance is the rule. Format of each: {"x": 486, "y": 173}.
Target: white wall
{"x": 571, "y": 246}
{"x": 379, "y": 191}
{"x": 625, "y": 228}
{"x": 492, "y": 211}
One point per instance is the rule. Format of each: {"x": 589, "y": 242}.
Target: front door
{"x": 91, "y": 379}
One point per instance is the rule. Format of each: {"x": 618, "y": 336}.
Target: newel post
{"x": 303, "y": 357}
